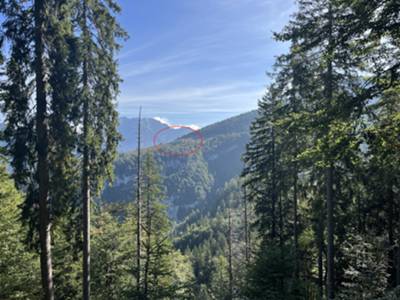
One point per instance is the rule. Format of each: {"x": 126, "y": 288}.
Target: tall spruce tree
{"x": 260, "y": 159}
{"x": 99, "y": 37}
{"x": 41, "y": 135}
{"x": 332, "y": 86}
{"x": 265, "y": 181}
{"x": 317, "y": 27}
{"x": 27, "y": 120}
{"x": 158, "y": 273}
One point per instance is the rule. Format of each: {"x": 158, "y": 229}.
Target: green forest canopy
{"x": 314, "y": 214}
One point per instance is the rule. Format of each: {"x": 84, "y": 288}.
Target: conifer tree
{"x": 99, "y": 86}
{"x": 307, "y": 33}
{"x": 45, "y": 131}
{"x": 42, "y": 148}
{"x": 260, "y": 159}
{"x": 25, "y": 30}
{"x": 158, "y": 255}
{"x": 326, "y": 104}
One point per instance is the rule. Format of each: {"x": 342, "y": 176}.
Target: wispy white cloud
{"x": 216, "y": 44}
{"x": 187, "y": 93}
{"x": 162, "y": 121}
{"x": 184, "y": 53}
{"x": 166, "y": 122}
{"x": 228, "y": 97}
{"x": 194, "y": 126}
{"x": 138, "y": 68}
{"x": 214, "y": 63}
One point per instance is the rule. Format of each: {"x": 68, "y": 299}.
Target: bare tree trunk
{"x": 42, "y": 146}
{"x": 246, "y": 228}
{"x": 148, "y": 242}
{"x": 230, "y": 268}
{"x": 86, "y": 225}
{"x": 280, "y": 207}
{"x": 138, "y": 214}
{"x": 320, "y": 239}
{"x": 274, "y": 189}
{"x": 397, "y": 226}
{"x": 281, "y": 229}
{"x": 86, "y": 228}
{"x": 295, "y": 226}
{"x": 359, "y": 215}
{"x": 398, "y": 266}
{"x": 329, "y": 171}
{"x": 86, "y": 167}
{"x": 330, "y": 227}
{"x": 392, "y": 251}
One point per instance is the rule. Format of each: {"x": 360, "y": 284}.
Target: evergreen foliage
{"x": 314, "y": 214}
{"x": 311, "y": 149}
{"x": 19, "y": 266}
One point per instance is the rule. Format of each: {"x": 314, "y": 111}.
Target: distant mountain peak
{"x": 176, "y": 126}
{"x": 149, "y": 127}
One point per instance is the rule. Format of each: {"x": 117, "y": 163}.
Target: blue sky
{"x": 198, "y": 61}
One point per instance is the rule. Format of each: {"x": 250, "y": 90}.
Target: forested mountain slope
{"x": 191, "y": 179}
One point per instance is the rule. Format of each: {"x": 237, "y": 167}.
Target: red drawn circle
{"x": 193, "y": 151}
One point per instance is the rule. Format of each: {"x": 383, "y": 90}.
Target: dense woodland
{"x": 314, "y": 212}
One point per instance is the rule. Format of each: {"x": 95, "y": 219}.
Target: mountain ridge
{"x": 191, "y": 181}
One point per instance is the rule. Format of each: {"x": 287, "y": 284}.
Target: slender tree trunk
{"x": 246, "y": 228}
{"x": 138, "y": 214}
{"x": 42, "y": 152}
{"x": 392, "y": 252}
{"x": 295, "y": 226}
{"x": 86, "y": 165}
{"x": 274, "y": 189}
{"x": 86, "y": 225}
{"x": 329, "y": 171}
{"x": 148, "y": 243}
{"x": 397, "y": 240}
{"x": 280, "y": 206}
{"x": 320, "y": 239}
{"x": 281, "y": 228}
{"x": 230, "y": 267}
{"x": 330, "y": 231}
{"x": 398, "y": 266}
{"x": 359, "y": 215}
{"x": 295, "y": 103}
